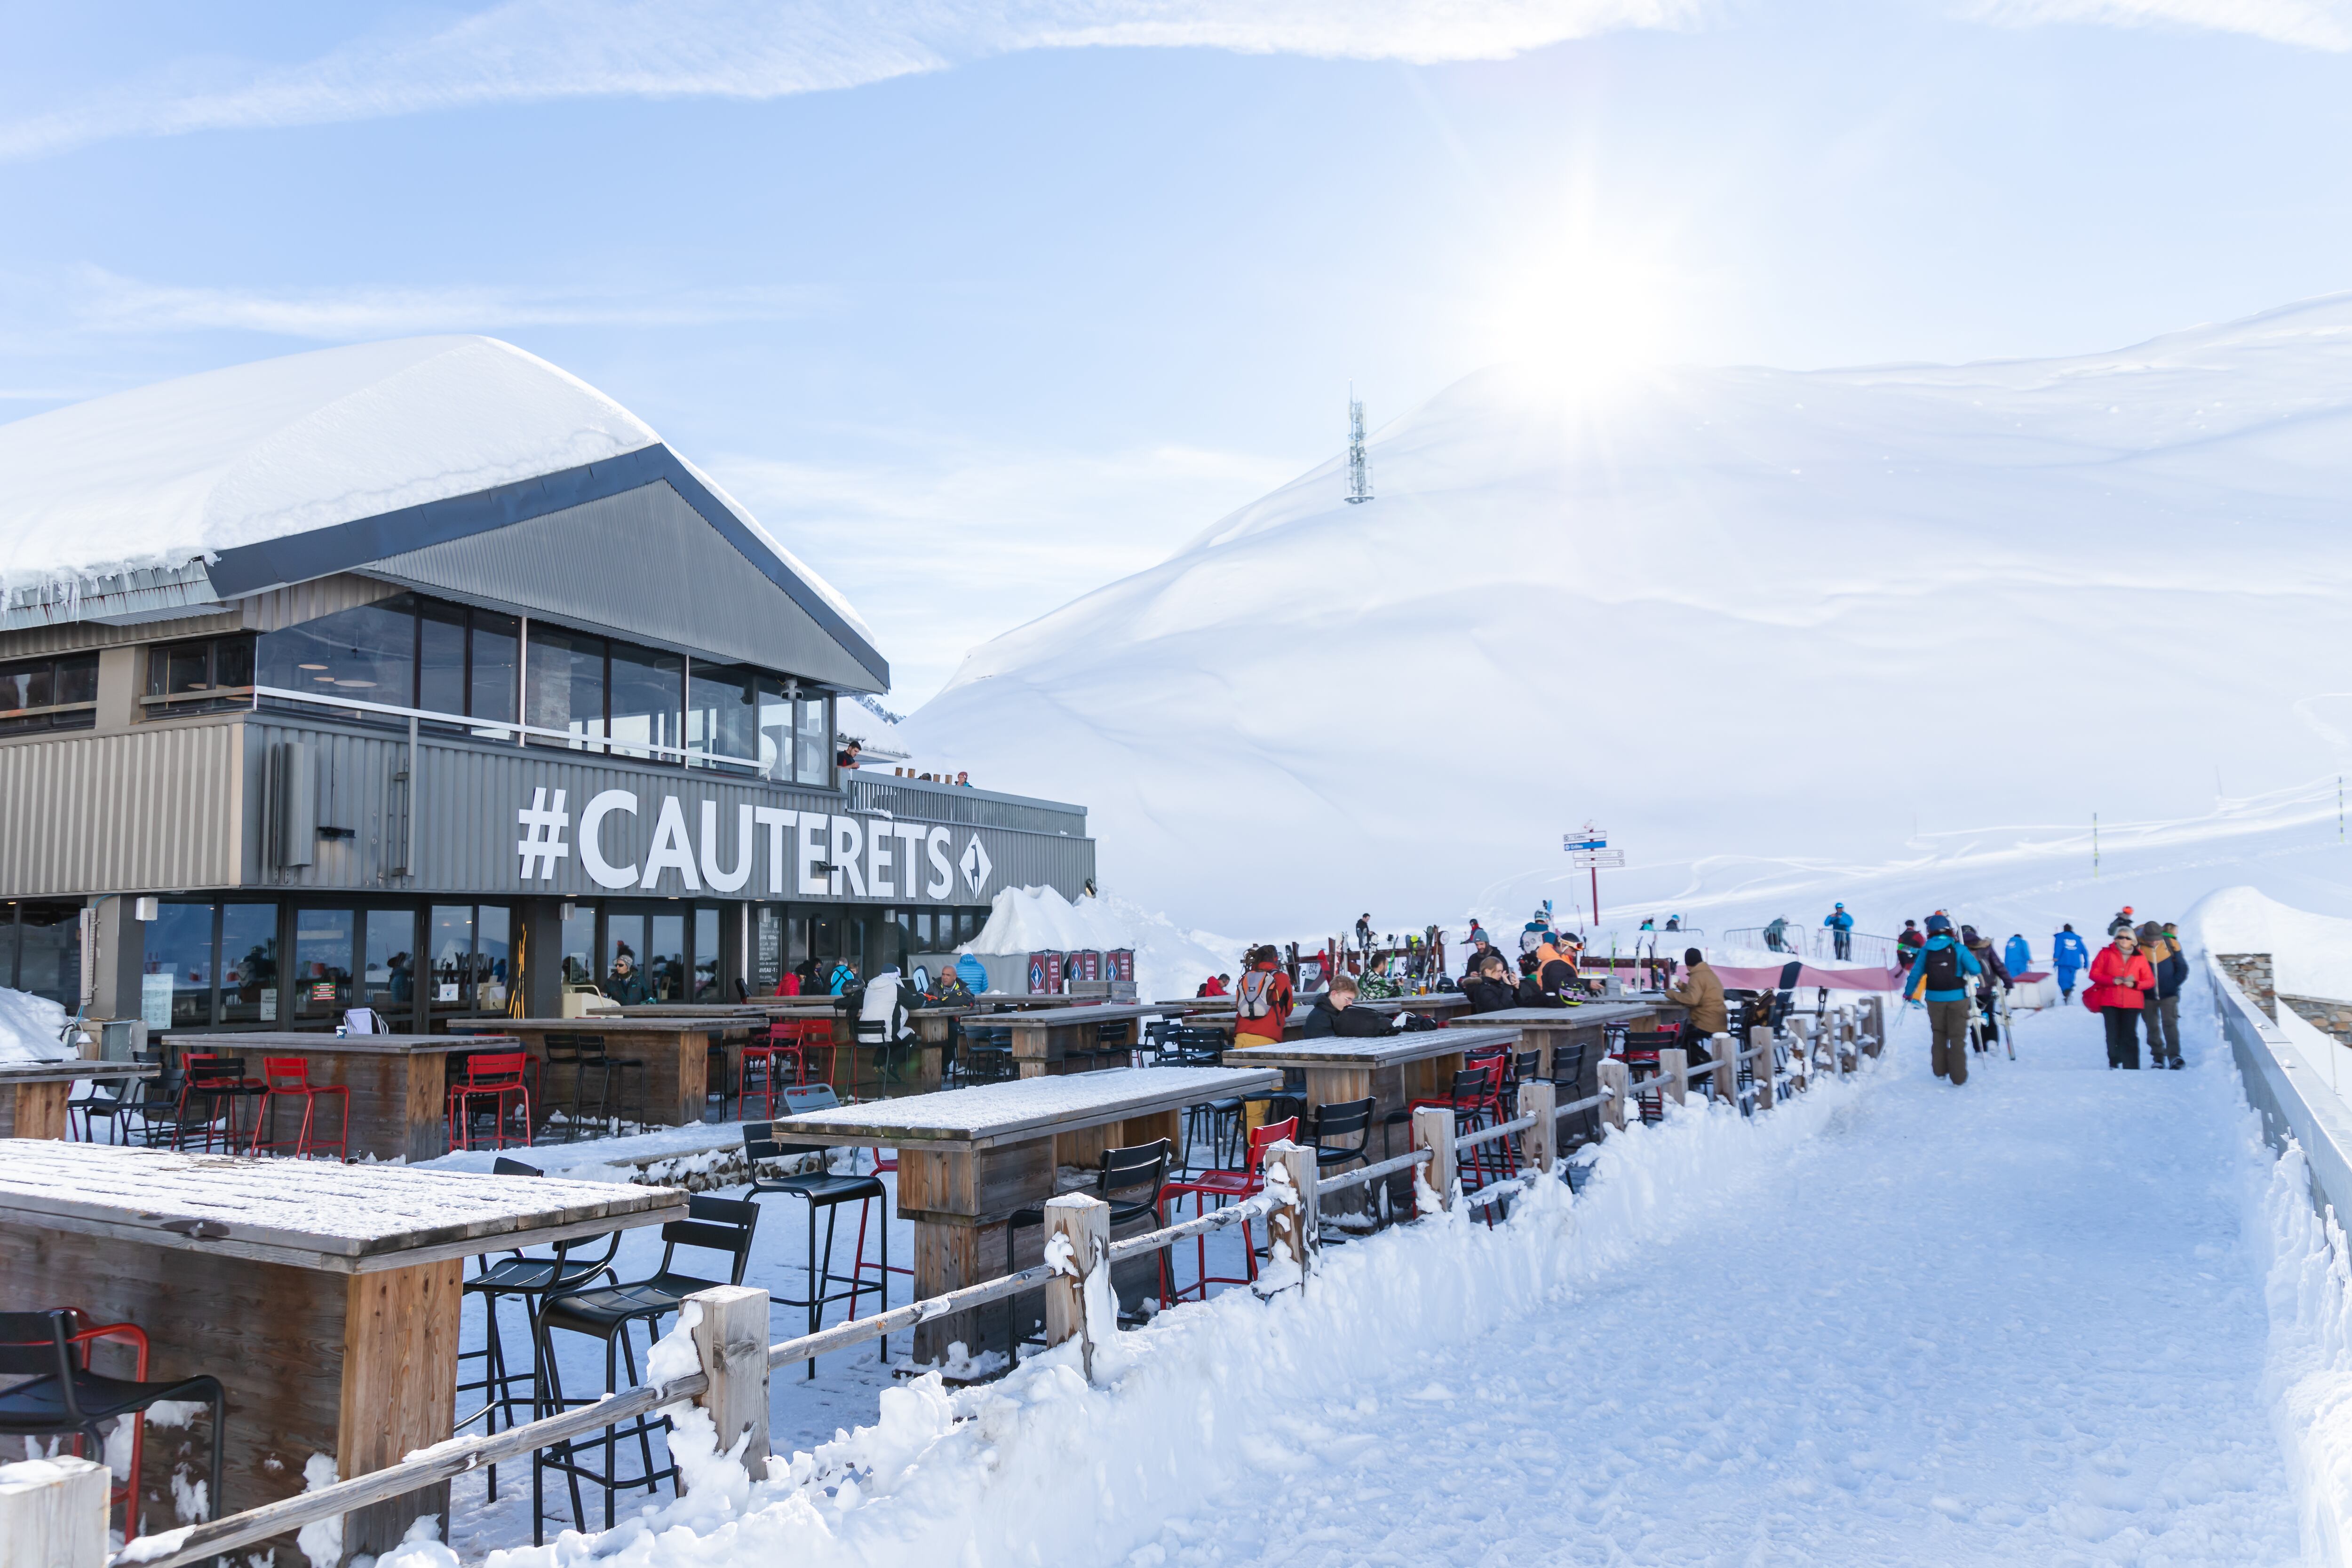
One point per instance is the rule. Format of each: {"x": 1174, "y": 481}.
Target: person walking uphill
{"x": 2120, "y": 982}
{"x": 1939, "y": 978}
{"x": 1841, "y": 925}
{"x": 2069, "y": 959}
{"x": 2161, "y": 1013}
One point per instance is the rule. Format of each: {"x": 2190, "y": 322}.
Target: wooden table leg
{"x": 399, "y": 1388}
{"x": 693, "y": 1090}
{"x": 33, "y": 1110}
{"x": 957, "y": 1201}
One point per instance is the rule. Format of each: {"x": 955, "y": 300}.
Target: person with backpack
{"x": 1990, "y": 986}
{"x": 2120, "y": 983}
{"x": 1841, "y": 927}
{"x": 1776, "y": 936}
{"x": 1262, "y": 1001}
{"x": 1535, "y": 933}
{"x": 843, "y": 980}
{"x": 1939, "y": 978}
{"x": 1907, "y": 945}
{"x": 2070, "y": 958}
{"x": 1364, "y": 931}
{"x": 2122, "y": 922}
{"x": 2162, "y": 1012}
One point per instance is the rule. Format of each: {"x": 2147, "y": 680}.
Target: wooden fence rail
{"x": 1290, "y": 1204}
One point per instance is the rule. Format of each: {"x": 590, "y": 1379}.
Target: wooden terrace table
{"x": 1439, "y": 1005}
{"x": 1392, "y": 1068}
{"x": 323, "y": 1296}
{"x": 675, "y": 1052}
{"x": 399, "y": 1082}
{"x": 1042, "y": 1042}
{"x": 1547, "y": 1028}
{"x": 32, "y": 1094}
{"x": 969, "y": 1158}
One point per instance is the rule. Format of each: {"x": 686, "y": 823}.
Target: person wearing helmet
{"x": 1841, "y": 927}
{"x": 1939, "y": 978}
{"x": 2122, "y": 922}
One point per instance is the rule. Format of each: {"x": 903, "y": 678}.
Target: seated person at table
{"x": 1478, "y": 956}
{"x": 1702, "y": 993}
{"x": 1554, "y": 974}
{"x": 622, "y": 986}
{"x": 1334, "y": 1013}
{"x": 1490, "y": 990}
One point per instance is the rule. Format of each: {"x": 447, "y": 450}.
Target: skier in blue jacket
{"x": 2018, "y": 957}
{"x": 1939, "y": 976}
{"x": 2070, "y": 958}
{"x": 1841, "y": 927}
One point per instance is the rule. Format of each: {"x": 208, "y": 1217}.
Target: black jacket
{"x": 1480, "y": 955}
{"x": 1490, "y": 996}
{"x": 1324, "y": 1020}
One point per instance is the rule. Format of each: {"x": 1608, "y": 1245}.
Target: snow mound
{"x": 2311, "y": 954}
{"x": 1832, "y": 606}
{"x": 162, "y": 475}
{"x": 30, "y": 1027}
{"x": 1169, "y": 960}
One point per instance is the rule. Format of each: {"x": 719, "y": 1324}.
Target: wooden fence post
{"x": 1433, "y": 1129}
{"x": 1674, "y": 1071}
{"x": 1873, "y": 1015}
{"x": 1540, "y": 1099}
{"x": 731, "y": 1340}
{"x": 1617, "y": 1083}
{"x": 1725, "y": 1079}
{"x": 1760, "y": 1041}
{"x": 1084, "y": 1222}
{"x": 1296, "y": 1226}
{"x": 52, "y": 1513}
{"x": 1800, "y": 1051}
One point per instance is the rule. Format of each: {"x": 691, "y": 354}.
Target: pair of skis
{"x": 2003, "y": 1018}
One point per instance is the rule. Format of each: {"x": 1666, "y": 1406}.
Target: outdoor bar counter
{"x": 398, "y": 1082}
{"x": 32, "y": 1094}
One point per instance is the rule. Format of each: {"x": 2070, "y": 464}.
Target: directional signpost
{"x": 1589, "y": 848}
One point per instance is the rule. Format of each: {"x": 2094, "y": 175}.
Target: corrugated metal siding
{"x": 258, "y": 612}
{"x": 150, "y": 810}
{"x": 74, "y": 636}
{"x": 642, "y": 564}
{"x": 937, "y": 803}
{"x": 282, "y": 607}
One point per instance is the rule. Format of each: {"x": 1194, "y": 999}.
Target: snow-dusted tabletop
{"x": 695, "y": 1020}
{"x": 991, "y": 1113}
{"x": 1066, "y": 1018}
{"x": 73, "y": 1069}
{"x": 1379, "y": 1051}
{"x": 311, "y": 1214}
{"x": 1573, "y": 1018}
{"x": 302, "y": 1044}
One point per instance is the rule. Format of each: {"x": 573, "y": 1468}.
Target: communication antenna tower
{"x": 1359, "y": 471}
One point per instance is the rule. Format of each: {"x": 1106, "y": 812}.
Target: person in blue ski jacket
{"x": 2070, "y": 958}
{"x": 1939, "y": 978}
{"x": 2018, "y": 957}
{"x": 1841, "y": 927}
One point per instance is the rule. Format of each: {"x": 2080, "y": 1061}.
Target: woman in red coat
{"x": 2121, "y": 980}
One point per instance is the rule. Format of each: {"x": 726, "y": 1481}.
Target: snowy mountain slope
{"x": 1788, "y": 615}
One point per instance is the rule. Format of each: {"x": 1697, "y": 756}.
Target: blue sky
{"x": 979, "y": 306}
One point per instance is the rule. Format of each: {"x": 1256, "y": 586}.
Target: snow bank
{"x": 2309, "y": 1372}
{"x": 2311, "y": 954}
{"x": 1042, "y": 1468}
{"x": 30, "y": 1027}
{"x": 1024, "y": 920}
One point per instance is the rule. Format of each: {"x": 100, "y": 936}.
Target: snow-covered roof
{"x": 162, "y": 475}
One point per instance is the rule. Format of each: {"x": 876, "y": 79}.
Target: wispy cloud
{"x": 106, "y": 301}
{"x": 2308, "y": 24}
{"x": 536, "y": 50}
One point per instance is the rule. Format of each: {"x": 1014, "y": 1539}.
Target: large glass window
{"x": 706, "y": 954}
{"x": 493, "y": 957}
{"x": 440, "y": 657}
{"x": 40, "y": 949}
{"x": 491, "y": 663}
{"x": 467, "y": 951}
{"x": 389, "y": 982}
{"x": 567, "y": 687}
{"x": 579, "y": 943}
{"x": 248, "y": 964}
{"x": 648, "y": 694}
{"x": 367, "y": 654}
{"x": 666, "y": 965}
{"x": 723, "y": 715}
{"x": 48, "y": 693}
{"x": 322, "y": 963}
{"x": 199, "y": 677}
{"x": 815, "y": 741}
{"x": 176, "y": 988}
{"x": 623, "y": 973}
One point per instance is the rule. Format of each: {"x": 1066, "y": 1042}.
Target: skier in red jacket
{"x": 2121, "y": 981}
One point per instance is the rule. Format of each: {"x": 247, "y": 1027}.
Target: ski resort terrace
{"x": 1847, "y": 1314}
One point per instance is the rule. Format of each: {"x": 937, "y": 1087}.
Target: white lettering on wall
{"x": 877, "y": 859}
{"x": 812, "y": 852}
{"x": 846, "y": 842}
{"x": 942, "y": 882}
{"x": 911, "y": 857}
{"x": 672, "y": 850}
{"x": 592, "y": 853}
{"x": 725, "y": 881}
{"x": 775, "y": 821}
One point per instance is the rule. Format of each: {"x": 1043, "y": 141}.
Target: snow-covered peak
{"x": 162, "y": 474}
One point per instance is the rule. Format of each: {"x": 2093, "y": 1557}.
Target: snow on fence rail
{"x": 731, "y": 1384}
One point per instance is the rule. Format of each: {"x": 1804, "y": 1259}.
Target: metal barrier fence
{"x": 732, "y": 1384}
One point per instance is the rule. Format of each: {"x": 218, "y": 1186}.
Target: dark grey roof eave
{"x": 346, "y": 546}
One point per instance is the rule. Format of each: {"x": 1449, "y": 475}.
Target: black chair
{"x": 826, "y": 1191}
{"x": 1567, "y": 1084}
{"x": 61, "y": 1397}
{"x": 613, "y": 1074}
{"x": 531, "y": 1278}
{"x": 562, "y": 1055}
{"x": 720, "y": 1225}
{"x": 211, "y": 1089}
{"x": 1343, "y": 1120}
{"x": 1123, "y": 1176}
{"x": 985, "y": 1054}
{"x": 113, "y": 1098}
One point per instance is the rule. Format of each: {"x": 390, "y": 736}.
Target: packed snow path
{"x": 2010, "y": 1323}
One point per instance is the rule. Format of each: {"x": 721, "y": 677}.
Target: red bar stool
{"x": 1223, "y": 1185}
{"x": 756, "y": 1073}
{"x": 288, "y": 1078}
{"x": 494, "y": 1077}
{"x": 216, "y": 1084}
{"x": 814, "y": 1035}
